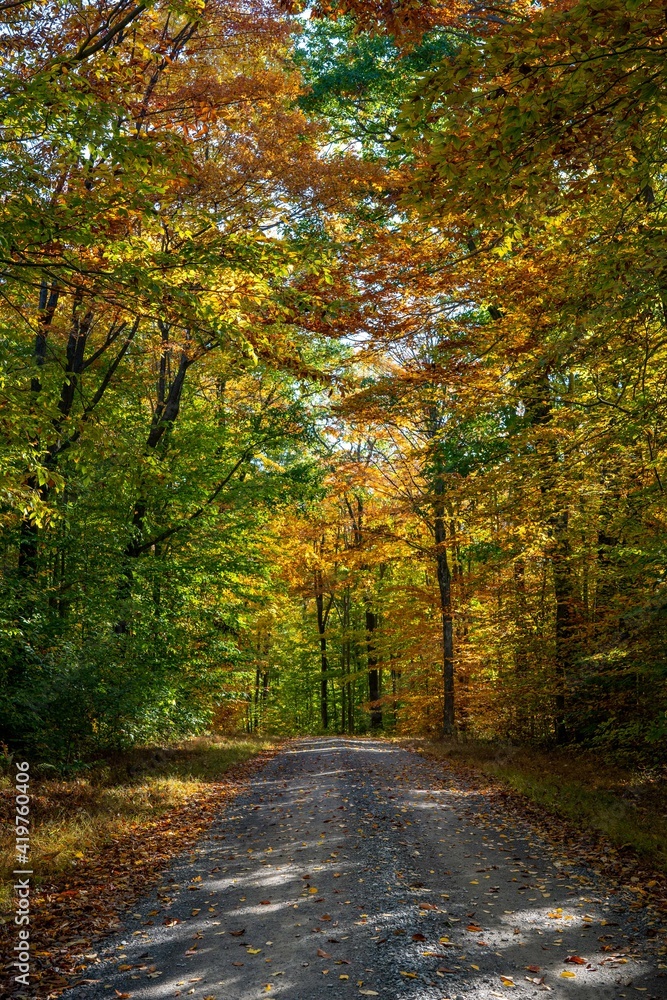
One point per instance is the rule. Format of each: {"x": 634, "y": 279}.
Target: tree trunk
{"x": 521, "y": 645}
{"x": 166, "y": 411}
{"x": 558, "y": 551}
{"x": 28, "y": 537}
{"x": 373, "y": 671}
{"x": 343, "y": 703}
{"x": 324, "y": 663}
{"x": 565, "y": 617}
{"x": 445, "y": 589}
{"x": 256, "y": 699}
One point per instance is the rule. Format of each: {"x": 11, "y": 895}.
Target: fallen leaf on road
{"x": 532, "y": 968}
{"x": 567, "y": 975}
{"x": 409, "y": 975}
{"x": 122, "y": 996}
{"x": 237, "y": 933}
{"x": 369, "y": 993}
{"x": 418, "y": 937}
{"x": 473, "y": 927}
{"x": 253, "y": 951}
{"x": 427, "y": 906}
{"x": 507, "y": 981}
{"x": 575, "y": 960}
{"x": 322, "y": 953}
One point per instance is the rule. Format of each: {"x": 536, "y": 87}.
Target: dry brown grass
{"x": 73, "y": 819}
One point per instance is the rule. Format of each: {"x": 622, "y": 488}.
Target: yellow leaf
{"x": 568, "y": 975}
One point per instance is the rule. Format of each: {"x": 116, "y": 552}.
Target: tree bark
{"x": 565, "y": 617}
{"x": 28, "y": 536}
{"x": 373, "y": 671}
{"x": 322, "y": 616}
{"x": 445, "y": 590}
{"x": 558, "y": 551}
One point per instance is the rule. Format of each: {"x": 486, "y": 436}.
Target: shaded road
{"x": 353, "y": 868}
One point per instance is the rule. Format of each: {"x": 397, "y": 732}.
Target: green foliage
{"x": 358, "y": 81}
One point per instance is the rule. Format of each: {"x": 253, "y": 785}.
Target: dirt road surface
{"x": 356, "y": 868}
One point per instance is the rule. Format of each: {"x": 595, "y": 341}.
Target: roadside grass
{"x": 73, "y": 819}
{"x": 627, "y": 806}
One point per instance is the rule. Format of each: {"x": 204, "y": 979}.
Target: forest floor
{"x": 365, "y": 868}
{"x": 98, "y": 839}
{"x": 622, "y": 804}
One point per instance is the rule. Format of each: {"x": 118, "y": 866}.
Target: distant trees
{"x": 333, "y": 372}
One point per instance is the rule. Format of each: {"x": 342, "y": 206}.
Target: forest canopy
{"x": 333, "y": 381}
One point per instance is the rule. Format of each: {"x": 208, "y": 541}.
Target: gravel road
{"x": 357, "y": 868}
